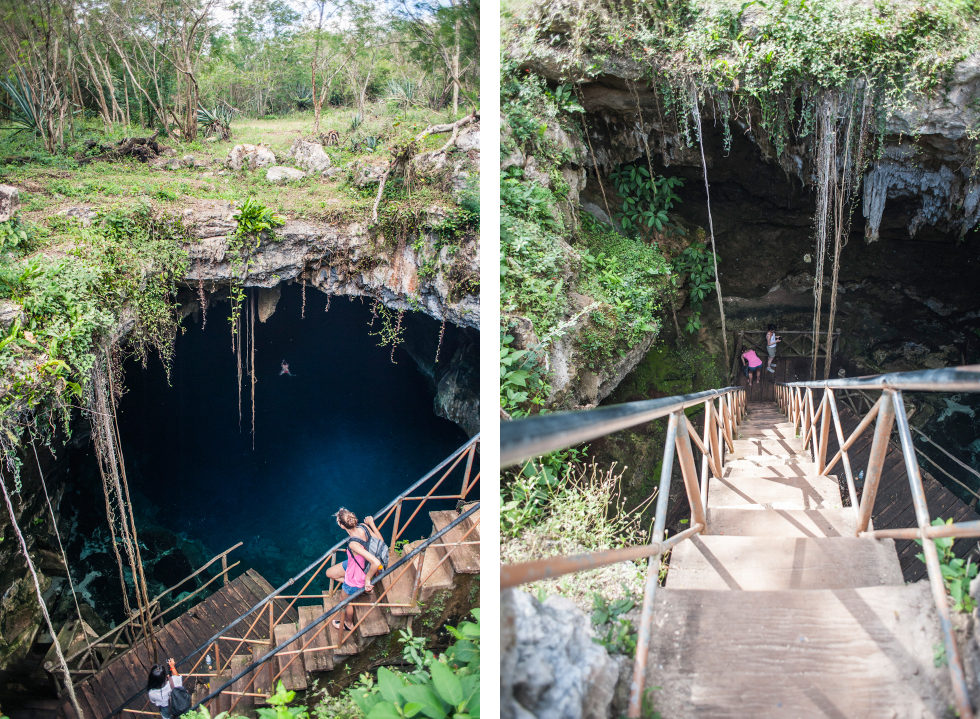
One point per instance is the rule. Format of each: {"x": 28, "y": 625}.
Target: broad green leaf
{"x": 390, "y": 684}
{"x": 384, "y": 710}
{"x": 446, "y": 684}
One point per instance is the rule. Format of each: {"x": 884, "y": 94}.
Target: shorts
{"x": 348, "y": 590}
{"x": 164, "y": 712}
{"x": 771, "y": 351}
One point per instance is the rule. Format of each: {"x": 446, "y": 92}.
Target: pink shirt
{"x": 752, "y": 358}
{"x": 355, "y": 573}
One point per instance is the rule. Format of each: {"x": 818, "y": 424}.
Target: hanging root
{"x": 302, "y": 312}
{"x": 203, "y": 299}
{"x": 327, "y": 308}
{"x": 394, "y": 343}
{"x": 442, "y": 331}
{"x": 374, "y": 313}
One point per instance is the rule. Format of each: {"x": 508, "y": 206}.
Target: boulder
{"x": 9, "y": 201}
{"x": 9, "y": 311}
{"x": 283, "y": 174}
{"x": 549, "y": 666}
{"x": 309, "y": 156}
{"x": 368, "y": 173}
{"x": 250, "y": 156}
{"x": 469, "y": 138}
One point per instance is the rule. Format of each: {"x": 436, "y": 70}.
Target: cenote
{"x": 346, "y": 427}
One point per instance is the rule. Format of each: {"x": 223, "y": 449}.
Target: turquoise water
{"x": 347, "y": 428}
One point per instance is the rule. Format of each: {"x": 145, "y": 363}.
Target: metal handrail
{"x": 797, "y": 400}
{"x": 522, "y": 439}
{"x": 393, "y": 508}
{"x": 526, "y": 438}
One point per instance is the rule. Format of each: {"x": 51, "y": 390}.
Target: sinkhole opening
{"x": 347, "y": 426}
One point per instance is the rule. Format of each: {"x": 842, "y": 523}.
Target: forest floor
{"x": 53, "y": 184}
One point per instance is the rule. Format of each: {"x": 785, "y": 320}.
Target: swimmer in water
{"x": 285, "y": 369}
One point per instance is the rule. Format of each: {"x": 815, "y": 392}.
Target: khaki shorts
{"x": 771, "y": 351}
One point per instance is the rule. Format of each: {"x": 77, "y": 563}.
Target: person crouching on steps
{"x": 159, "y": 688}
{"x": 361, "y": 566}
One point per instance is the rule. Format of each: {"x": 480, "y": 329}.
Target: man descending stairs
{"x": 779, "y": 610}
{"x": 432, "y": 574}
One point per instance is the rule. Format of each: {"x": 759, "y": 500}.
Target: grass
{"x": 582, "y": 517}
{"x": 50, "y": 184}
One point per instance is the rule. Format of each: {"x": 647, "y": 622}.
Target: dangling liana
{"x": 442, "y": 331}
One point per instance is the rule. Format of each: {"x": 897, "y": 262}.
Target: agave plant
{"x": 303, "y": 97}
{"x": 355, "y": 122}
{"x": 216, "y": 122}
{"x": 371, "y": 142}
{"x": 405, "y": 91}
{"x": 27, "y": 110}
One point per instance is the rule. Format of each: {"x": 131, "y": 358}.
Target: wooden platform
{"x": 126, "y": 675}
{"x": 893, "y": 506}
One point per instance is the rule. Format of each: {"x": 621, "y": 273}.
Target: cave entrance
{"x": 348, "y": 427}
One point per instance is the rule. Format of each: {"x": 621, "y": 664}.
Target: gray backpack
{"x": 375, "y": 546}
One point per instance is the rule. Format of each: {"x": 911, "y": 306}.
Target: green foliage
{"x": 614, "y": 632}
{"x": 17, "y": 237}
{"x": 71, "y": 306}
{"x": 526, "y": 497}
{"x": 957, "y": 573}
{"x": 629, "y": 279}
{"x": 939, "y": 658}
{"x": 28, "y": 112}
{"x": 697, "y": 263}
{"x": 646, "y": 199}
{"x": 521, "y": 379}
{"x": 280, "y": 702}
{"x": 254, "y": 219}
{"x": 442, "y": 687}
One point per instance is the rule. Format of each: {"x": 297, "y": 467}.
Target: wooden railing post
{"x": 704, "y": 456}
{"x": 876, "y": 461}
{"x": 224, "y": 567}
{"x": 716, "y": 451}
{"x": 685, "y": 455}
{"x": 824, "y": 432}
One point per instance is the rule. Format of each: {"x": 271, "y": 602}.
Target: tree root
{"x": 142, "y": 148}
{"x": 408, "y": 157}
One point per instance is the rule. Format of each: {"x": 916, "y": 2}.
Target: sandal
{"x": 336, "y": 625}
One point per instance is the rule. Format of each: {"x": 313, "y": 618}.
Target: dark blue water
{"x": 349, "y": 429}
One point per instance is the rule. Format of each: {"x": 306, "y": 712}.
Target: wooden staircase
{"x": 779, "y": 610}
{"x": 433, "y": 572}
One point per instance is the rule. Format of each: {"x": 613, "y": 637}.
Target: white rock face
{"x": 549, "y": 666}
{"x": 9, "y": 201}
{"x": 353, "y": 264}
{"x": 283, "y": 174}
{"x": 310, "y": 156}
{"x": 250, "y": 156}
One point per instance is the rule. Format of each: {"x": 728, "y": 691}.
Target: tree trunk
{"x": 455, "y": 71}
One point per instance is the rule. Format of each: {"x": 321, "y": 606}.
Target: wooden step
{"x": 349, "y": 645}
{"x": 465, "y": 558}
{"x": 290, "y": 666}
{"x": 760, "y": 564}
{"x": 222, "y": 702}
{"x": 263, "y": 675}
{"x": 435, "y": 574}
{"x": 755, "y": 521}
{"x": 766, "y": 433}
{"x": 399, "y": 585}
{"x": 246, "y": 704}
{"x": 316, "y": 658}
{"x": 766, "y": 449}
{"x": 813, "y": 492}
{"x": 855, "y": 653}
{"x": 744, "y": 467}
{"x": 373, "y": 624}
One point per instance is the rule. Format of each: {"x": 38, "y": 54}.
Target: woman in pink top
{"x": 752, "y": 364}
{"x": 356, "y": 572}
